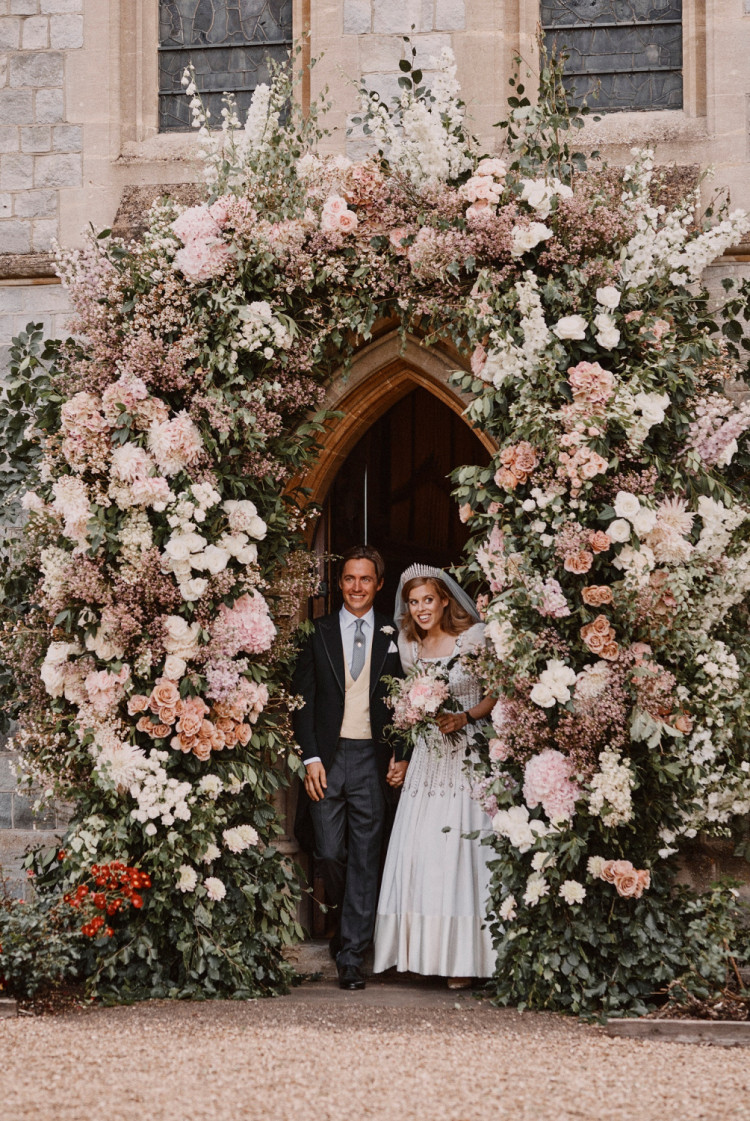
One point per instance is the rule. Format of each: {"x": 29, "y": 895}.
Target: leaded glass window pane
{"x": 627, "y": 51}
{"x": 228, "y": 42}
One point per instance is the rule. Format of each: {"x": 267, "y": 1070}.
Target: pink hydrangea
{"x": 72, "y": 503}
{"x": 548, "y": 782}
{"x": 127, "y": 391}
{"x": 175, "y": 443}
{"x": 196, "y": 223}
{"x": 591, "y": 384}
{"x": 202, "y": 260}
{"x": 554, "y": 604}
{"x": 247, "y": 626}
{"x": 82, "y": 414}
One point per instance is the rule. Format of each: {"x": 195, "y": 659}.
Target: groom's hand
{"x": 315, "y": 781}
{"x": 396, "y": 773}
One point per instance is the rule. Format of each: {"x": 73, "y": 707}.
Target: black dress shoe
{"x": 350, "y": 977}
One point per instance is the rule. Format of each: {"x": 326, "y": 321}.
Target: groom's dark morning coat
{"x": 319, "y": 678}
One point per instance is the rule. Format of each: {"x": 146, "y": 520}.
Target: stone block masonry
{"x": 40, "y": 148}
{"x": 20, "y": 828}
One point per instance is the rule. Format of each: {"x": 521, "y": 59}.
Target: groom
{"x": 340, "y": 730}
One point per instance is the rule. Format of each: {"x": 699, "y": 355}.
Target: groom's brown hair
{"x": 363, "y": 552}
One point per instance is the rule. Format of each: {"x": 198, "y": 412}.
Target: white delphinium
{"x": 572, "y": 892}
{"x": 136, "y": 538}
{"x": 698, "y": 253}
{"x": 507, "y": 359}
{"x": 719, "y": 522}
{"x": 425, "y": 139}
{"x": 612, "y": 787}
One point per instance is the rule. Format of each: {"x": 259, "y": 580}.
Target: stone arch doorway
{"x": 383, "y": 473}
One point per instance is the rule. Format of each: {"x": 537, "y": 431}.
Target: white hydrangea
{"x": 260, "y": 328}
{"x": 158, "y": 796}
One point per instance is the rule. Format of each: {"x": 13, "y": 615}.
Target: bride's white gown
{"x": 433, "y": 900}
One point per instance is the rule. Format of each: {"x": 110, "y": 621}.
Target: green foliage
{"x": 39, "y": 946}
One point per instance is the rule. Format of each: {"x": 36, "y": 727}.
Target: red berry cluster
{"x": 112, "y": 887}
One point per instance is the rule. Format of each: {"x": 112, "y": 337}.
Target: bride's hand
{"x": 449, "y": 722}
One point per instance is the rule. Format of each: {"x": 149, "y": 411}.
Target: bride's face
{"x": 426, "y": 607}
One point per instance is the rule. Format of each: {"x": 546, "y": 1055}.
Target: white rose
{"x": 150, "y": 829}
{"x": 53, "y": 676}
{"x": 103, "y": 647}
{"x": 191, "y": 590}
{"x": 248, "y": 555}
{"x": 538, "y": 195}
{"x": 257, "y": 528}
{"x": 542, "y": 695}
{"x": 234, "y": 543}
{"x": 194, "y": 541}
{"x": 181, "y": 637}
{"x": 626, "y": 505}
{"x": 619, "y": 531}
{"x": 608, "y": 297}
{"x": 525, "y": 238}
{"x": 607, "y": 334}
{"x": 644, "y": 521}
{"x": 652, "y": 406}
{"x": 500, "y": 634}
{"x": 174, "y": 667}
{"x": 570, "y": 327}
{"x": 213, "y": 559}
{"x": 178, "y": 547}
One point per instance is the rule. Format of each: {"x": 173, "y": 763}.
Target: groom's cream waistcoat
{"x": 356, "y": 722}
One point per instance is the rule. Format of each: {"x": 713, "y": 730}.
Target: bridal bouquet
{"x": 418, "y": 699}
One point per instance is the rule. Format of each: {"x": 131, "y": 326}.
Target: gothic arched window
{"x": 629, "y": 51}
{"x": 228, "y": 42}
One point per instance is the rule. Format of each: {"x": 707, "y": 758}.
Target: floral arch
{"x": 152, "y": 603}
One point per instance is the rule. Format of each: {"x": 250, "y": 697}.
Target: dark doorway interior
{"x": 394, "y": 491}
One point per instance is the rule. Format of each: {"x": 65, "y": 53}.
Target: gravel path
{"x": 396, "y": 1051}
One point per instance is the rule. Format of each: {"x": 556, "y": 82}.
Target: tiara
{"x": 421, "y": 570}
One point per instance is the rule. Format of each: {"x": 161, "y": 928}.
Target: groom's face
{"x": 359, "y": 585}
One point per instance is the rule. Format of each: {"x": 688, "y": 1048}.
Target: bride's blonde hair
{"x": 455, "y": 618}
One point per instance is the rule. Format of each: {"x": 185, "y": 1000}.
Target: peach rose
{"x": 201, "y": 750}
{"x": 627, "y": 883}
{"x": 478, "y": 360}
{"x": 614, "y": 868}
{"x": 597, "y": 595}
{"x": 191, "y": 716}
{"x": 182, "y": 743}
{"x": 506, "y": 479}
{"x": 684, "y": 723}
{"x": 169, "y": 713}
{"x": 644, "y": 882}
{"x": 244, "y": 732}
{"x": 599, "y": 541}
{"x": 165, "y": 694}
{"x": 578, "y": 563}
{"x": 610, "y": 652}
{"x": 137, "y": 703}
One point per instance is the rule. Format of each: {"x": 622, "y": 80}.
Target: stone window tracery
{"x": 629, "y": 51}
{"x": 228, "y": 42}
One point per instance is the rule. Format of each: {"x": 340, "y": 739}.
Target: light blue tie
{"x": 358, "y": 653}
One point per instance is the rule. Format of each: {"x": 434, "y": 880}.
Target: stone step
{"x": 8, "y": 1007}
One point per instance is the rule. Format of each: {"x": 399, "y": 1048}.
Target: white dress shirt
{"x": 348, "y": 625}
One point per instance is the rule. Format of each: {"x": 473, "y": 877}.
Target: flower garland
{"x": 163, "y": 536}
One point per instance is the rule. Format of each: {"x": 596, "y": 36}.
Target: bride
{"x": 435, "y": 888}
